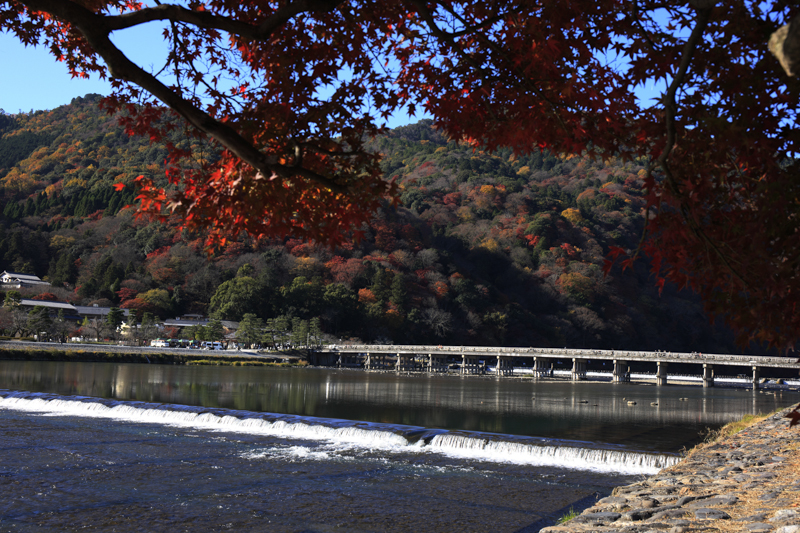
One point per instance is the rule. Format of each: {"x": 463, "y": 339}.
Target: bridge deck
{"x": 607, "y": 355}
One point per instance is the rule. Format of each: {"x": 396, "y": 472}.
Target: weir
{"x": 508, "y": 361}
{"x": 351, "y": 434}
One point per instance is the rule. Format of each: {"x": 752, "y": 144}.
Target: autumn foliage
{"x": 513, "y": 270}
{"x": 291, "y": 91}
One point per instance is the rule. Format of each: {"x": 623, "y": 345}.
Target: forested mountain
{"x": 483, "y": 248}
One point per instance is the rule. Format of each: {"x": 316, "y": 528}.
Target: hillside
{"x": 484, "y": 248}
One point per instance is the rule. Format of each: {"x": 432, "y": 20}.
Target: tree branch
{"x": 94, "y": 29}
{"x": 670, "y": 106}
{"x": 207, "y": 20}
{"x": 704, "y": 8}
{"x": 486, "y": 76}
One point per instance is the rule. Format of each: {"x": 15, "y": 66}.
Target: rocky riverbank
{"x": 747, "y": 482}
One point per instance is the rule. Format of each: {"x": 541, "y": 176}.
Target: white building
{"x": 14, "y": 280}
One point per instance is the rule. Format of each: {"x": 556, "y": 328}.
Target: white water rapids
{"x": 357, "y": 435}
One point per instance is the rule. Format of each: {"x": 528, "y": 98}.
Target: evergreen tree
{"x": 300, "y": 332}
{"x": 216, "y": 331}
{"x": 39, "y": 322}
{"x": 61, "y": 326}
{"x": 277, "y": 331}
{"x": 399, "y": 293}
{"x": 315, "y": 331}
{"x": 379, "y": 285}
{"x": 250, "y": 329}
{"x": 148, "y": 329}
{"x": 236, "y": 297}
{"x": 12, "y": 300}
{"x": 115, "y": 318}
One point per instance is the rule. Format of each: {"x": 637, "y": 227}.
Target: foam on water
{"x": 336, "y": 436}
{"x": 298, "y": 453}
{"x": 564, "y": 455}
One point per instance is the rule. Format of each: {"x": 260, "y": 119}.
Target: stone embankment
{"x": 747, "y": 482}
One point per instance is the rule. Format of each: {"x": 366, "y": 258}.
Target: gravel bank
{"x": 747, "y": 482}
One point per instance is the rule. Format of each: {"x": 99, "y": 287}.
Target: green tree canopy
{"x": 115, "y": 318}
{"x": 251, "y": 329}
{"x": 236, "y": 297}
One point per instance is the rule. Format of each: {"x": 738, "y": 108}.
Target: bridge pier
{"x": 349, "y": 360}
{"x": 541, "y": 367}
{"x": 323, "y": 359}
{"x": 578, "y": 369}
{"x": 421, "y": 358}
{"x": 661, "y": 373}
{"x": 376, "y": 361}
{"x": 437, "y": 363}
{"x": 621, "y": 372}
{"x": 405, "y": 363}
{"x": 708, "y": 375}
{"x": 505, "y": 366}
{"x": 469, "y": 364}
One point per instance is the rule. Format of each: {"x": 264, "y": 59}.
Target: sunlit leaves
{"x": 295, "y": 90}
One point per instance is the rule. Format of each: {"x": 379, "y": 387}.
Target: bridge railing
{"x": 493, "y": 351}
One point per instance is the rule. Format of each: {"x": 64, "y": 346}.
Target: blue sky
{"x": 40, "y": 82}
{"x": 34, "y": 80}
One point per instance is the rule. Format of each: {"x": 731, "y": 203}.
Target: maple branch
{"x": 94, "y": 29}
{"x": 670, "y": 107}
{"x": 467, "y": 29}
{"x": 207, "y": 20}
{"x": 427, "y": 16}
{"x": 642, "y": 29}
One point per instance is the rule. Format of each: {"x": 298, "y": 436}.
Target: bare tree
{"x": 440, "y": 321}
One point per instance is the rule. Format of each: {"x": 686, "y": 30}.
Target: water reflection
{"x": 580, "y": 411}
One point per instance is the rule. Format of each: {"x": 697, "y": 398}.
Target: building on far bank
{"x": 14, "y": 280}
{"x": 189, "y": 320}
{"x": 70, "y": 311}
{"x": 74, "y": 313}
{"x": 94, "y": 311}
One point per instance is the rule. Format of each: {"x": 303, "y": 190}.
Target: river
{"x": 123, "y": 447}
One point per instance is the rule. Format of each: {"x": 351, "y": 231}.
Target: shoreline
{"x": 695, "y": 476}
{"x": 745, "y": 482}
{"x": 106, "y": 353}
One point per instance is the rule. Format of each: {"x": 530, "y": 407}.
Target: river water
{"x": 121, "y": 447}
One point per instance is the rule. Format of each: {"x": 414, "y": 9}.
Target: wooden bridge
{"x": 476, "y": 359}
